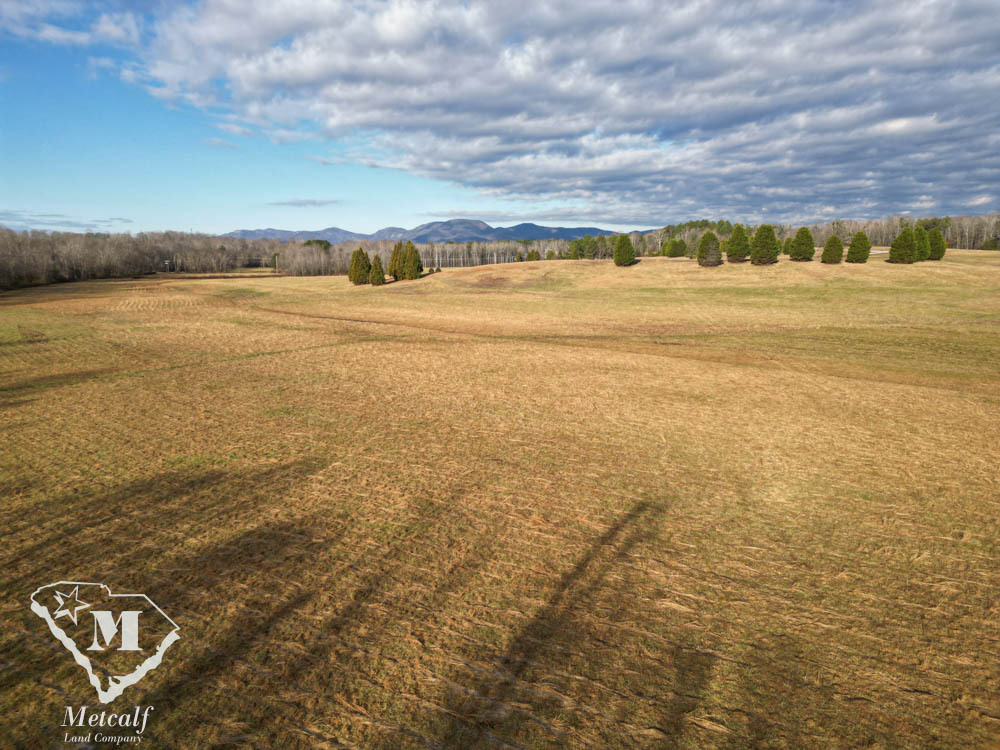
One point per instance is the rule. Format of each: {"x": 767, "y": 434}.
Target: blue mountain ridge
{"x": 455, "y": 230}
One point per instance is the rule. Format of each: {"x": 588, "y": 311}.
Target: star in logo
{"x": 71, "y": 598}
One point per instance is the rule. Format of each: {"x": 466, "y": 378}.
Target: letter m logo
{"x": 106, "y": 627}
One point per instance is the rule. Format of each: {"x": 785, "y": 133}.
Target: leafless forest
{"x": 33, "y": 257}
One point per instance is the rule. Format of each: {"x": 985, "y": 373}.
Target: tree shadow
{"x": 14, "y": 393}
{"x": 112, "y": 528}
{"x": 501, "y": 706}
{"x": 331, "y": 658}
{"x": 280, "y": 641}
{"x": 692, "y": 672}
{"x": 223, "y": 576}
{"x": 142, "y": 537}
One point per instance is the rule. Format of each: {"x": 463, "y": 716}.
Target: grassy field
{"x": 553, "y": 504}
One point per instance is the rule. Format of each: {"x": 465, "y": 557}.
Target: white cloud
{"x": 68, "y": 23}
{"x": 116, "y": 27}
{"x": 906, "y": 125}
{"x": 234, "y": 128}
{"x": 22, "y": 219}
{"x": 788, "y": 108}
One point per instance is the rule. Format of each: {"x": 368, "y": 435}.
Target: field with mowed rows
{"x": 548, "y": 504}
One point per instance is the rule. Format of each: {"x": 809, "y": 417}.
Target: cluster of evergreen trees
{"x": 762, "y": 247}
{"x": 914, "y": 244}
{"x": 802, "y": 247}
{"x": 404, "y": 263}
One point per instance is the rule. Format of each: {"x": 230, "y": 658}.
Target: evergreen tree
{"x": 803, "y": 246}
{"x": 678, "y": 248}
{"x": 360, "y": 267}
{"x": 786, "y": 248}
{"x": 833, "y": 250}
{"x": 352, "y": 270}
{"x": 364, "y": 267}
{"x": 922, "y": 243}
{"x": 708, "y": 250}
{"x": 764, "y": 248}
{"x": 738, "y": 246}
{"x": 936, "y": 240}
{"x": 595, "y": 247}
{"x": 534, "y": 255}
{"x": 396, "y": 261}
{"x": 860, "y": 248}
{"x": 904, "y": 247}
{"x": 624, "y": 253}
{"x": 412, "y": 265}
{"x": 376, "y": 277}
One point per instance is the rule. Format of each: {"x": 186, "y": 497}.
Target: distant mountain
{"x": 455, "y": 230}
{"x": 389, "y": 233}
{"x": 330, "y": 234}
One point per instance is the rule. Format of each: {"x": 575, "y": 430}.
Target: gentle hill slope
{"x": 550, "y": 504}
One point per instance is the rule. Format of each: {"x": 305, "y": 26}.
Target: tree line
{"x": 34, "y": 257}
{"x": 29, "y": 258}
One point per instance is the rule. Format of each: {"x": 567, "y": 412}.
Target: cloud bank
{"x": 644, "y": 111}
{"x": 18, "y": 219}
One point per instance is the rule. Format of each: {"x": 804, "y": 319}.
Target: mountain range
{"x": 455, "y": 230}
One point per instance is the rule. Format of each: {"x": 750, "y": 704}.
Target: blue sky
{"x": 294, "y": 114}
{"x": 77, "y": 142}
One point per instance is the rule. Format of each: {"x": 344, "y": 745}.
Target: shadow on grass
{"x": 143, "y": 537}
{"x": 15, "y": 392}
{"x": 42, "y": 532}
{"x": 383, "y": 596}
{"x": 505, "y": 706}
{"x": 82, "y": 533}
{"x": 222, "y": 583}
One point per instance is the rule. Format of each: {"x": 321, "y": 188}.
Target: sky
{"x": 211, "y": 116}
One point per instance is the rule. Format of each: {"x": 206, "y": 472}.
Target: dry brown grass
{"x": 550, "y": 504}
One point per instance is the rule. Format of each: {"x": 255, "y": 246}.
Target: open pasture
{"x": 552, "y": 504}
